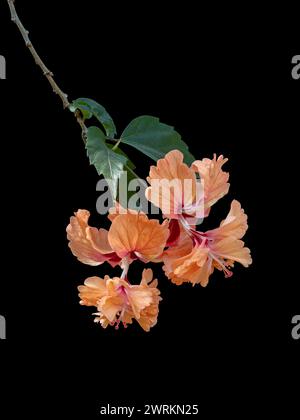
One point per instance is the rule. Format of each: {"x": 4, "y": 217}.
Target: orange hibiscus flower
{"x": 118, "y": 301}
{"x": 197, "y": 254}
{"x": 131, "y": 236}
{"x": 175, "y": 189}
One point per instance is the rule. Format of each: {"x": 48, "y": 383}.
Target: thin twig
{"x": 49, "y": 75}
{"x": 46, "y": 72}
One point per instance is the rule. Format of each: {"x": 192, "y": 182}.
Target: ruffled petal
{"x": 89, "y": 244}
{"x": 172, "y": 185}
{"x": 93, "y": 290}
{"x": 213, "y": 178}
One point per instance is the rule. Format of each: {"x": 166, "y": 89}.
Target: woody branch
{"x": 46, "y": 72}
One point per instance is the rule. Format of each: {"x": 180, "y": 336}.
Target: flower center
{"x": 119, "y": 316}
{"x": 201, "y": 239}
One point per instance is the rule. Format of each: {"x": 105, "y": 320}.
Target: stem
{"x": 80, "y": 121}
{"x": 46, "y": 72}
{"x": 116, "y": 145}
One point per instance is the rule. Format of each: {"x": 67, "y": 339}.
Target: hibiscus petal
{"x": 117, "y": 210}
{"x": 213, "y": 178}
{"x": 139, "y": 298}
{"x": 173, "y": 185}
{"x": 88, "y": 244}
{"x": 94, "y": 288}
{"x": 99, "y": 239}
{"x": 135, "y": 233}
{"x": 234, "y": 225}
{"x": 110, "y": 306}
{"x": 233, "y": 249}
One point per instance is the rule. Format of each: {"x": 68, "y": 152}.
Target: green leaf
{"x": 90, "y": 108}
{"x": 129, "y": 163}
{"x": 130, "y": 177}
{"x": 106, "y": 161}
{"x": 129, "y": 168}
{"x": 154, "y": 139}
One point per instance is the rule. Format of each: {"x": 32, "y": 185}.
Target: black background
{"x": 223, "y": 79}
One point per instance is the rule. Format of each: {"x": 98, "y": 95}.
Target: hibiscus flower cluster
{"x": 188, "y": 254}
